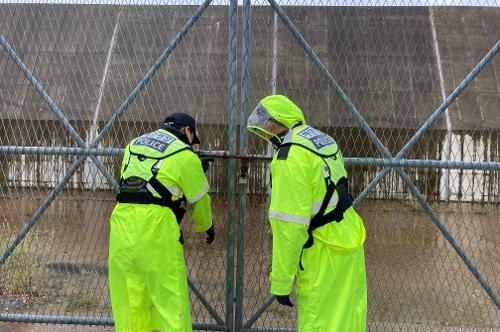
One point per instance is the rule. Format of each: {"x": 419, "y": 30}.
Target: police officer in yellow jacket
{"x": 317, "y": 235}
{"x": 147, "y": 272}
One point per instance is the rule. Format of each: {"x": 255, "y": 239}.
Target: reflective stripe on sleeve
{"x": 289, "y": 217}
{"x": 200, "y": 194}
{"x": 333, "y": 202}
{"x": 175, "y": 191}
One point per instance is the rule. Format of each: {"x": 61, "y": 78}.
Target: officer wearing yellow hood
{"x": 317, "y": 235}
{"x": 147, "y": 272}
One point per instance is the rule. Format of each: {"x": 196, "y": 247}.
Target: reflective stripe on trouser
{"x": 331, "y": 290}
{"x": 147, "y": 272}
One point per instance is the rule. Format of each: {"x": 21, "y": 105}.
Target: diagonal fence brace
{"x": 205, "y": 303}
{"x": 345, "y": 99}
{"x": 435, "y": 115}
{"x": 151, "y": 72}
{"x": 258, "y": 312}
{"x": 34, "y": 218}
{"x": 446, "y": 233}
{"x": 470, "y": 265}
{"x": 449, "y": 237}
{"x": 55, "y": 109}
{"x": 447, "y": 102}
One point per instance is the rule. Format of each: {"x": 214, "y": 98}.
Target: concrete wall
{"x": 66, "y": 47}
{"x": 465, "y": 35}
{"x": 383, "y": 57}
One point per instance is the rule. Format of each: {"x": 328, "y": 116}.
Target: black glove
{"x": 205, "y": 163}
{"x": 284, "y": 300}
{"x": 210, "y": 234}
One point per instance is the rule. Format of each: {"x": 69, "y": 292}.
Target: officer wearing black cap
{"x": 180, "y": 124}
{"x": 147, "y": 272}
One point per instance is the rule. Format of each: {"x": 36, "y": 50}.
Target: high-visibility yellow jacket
{"x": 331, "y": 280}
{"x": 147, "y": 273}
{"x": 331, "y": 284}
{"x": 298, "y": 189}
{"x": 178, "y": 168}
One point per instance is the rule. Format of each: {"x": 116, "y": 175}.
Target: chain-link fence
{"x": 410, "y": 91}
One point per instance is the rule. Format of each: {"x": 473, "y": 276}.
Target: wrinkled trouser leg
{"x": 122, "y": 313}
{"x": 169, "y": 293}
{"x": 147, "y": 273}
{"x": 331, "y": 290}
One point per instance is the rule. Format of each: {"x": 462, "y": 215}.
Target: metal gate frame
{"x": 389, "y": 162}
{"x": 92, "y": 150}
{"x": 233, "y": 319}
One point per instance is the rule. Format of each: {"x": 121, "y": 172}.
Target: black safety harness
{"x": 142, "y": 195}
{"x": 137, "y": 193}
{"x": 148, "y": 198}
{"x": 345, "y": 199}
{"x": 337, "y": 214}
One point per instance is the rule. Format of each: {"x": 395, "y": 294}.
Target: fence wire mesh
{"x": 88, "y": 58}
{"x": 397, "y": 65}
{"x": 73, "y": 64}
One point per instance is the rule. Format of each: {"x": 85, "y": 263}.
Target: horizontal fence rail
{"x": 350, "y": 161}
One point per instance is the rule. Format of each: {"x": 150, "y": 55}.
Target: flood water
{"x": 415, "y": 278}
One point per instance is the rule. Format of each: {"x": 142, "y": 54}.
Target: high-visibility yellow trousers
{"x": 147, "y": 272}
{"x": 331, "y": 290}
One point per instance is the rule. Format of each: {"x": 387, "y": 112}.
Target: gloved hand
{"x": 210, "y": 234}
{"x": 205, "y": 163}
{"x": 284, "y": 300}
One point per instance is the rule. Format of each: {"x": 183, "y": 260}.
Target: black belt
{"x": 142, "y": 198}
{"x": 148, "y": 198}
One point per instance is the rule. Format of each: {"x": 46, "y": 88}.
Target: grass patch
{"x": 81, "y": 300}
{"x": 23, "y": 276}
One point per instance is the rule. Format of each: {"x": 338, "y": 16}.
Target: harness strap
{"x": 160, "y": 189}
{"x": 142, "y": 198}
{"x": 139, "y": 194}
{"x": 337, "y": 214}
{"x": 287, "y": 146}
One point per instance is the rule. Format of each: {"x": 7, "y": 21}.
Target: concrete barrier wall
{"x": 90, "y": 57}
{"x": 383, "y": 57}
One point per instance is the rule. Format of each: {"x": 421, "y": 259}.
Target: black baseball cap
{"x": 179, "y": 120}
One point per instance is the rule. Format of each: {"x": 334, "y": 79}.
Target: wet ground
{"x": 416, "y": 281}
{"x": 18, "y": 327}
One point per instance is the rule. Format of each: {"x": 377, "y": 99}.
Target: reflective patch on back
{"x": 319, "y": 139}
{"x": 156, "y": 140}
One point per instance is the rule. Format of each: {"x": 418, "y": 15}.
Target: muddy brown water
{"x": 416, "y": 281}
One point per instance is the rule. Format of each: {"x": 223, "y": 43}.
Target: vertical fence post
{"x": 242, "y": 182}
{"x": 231, "y": 190}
